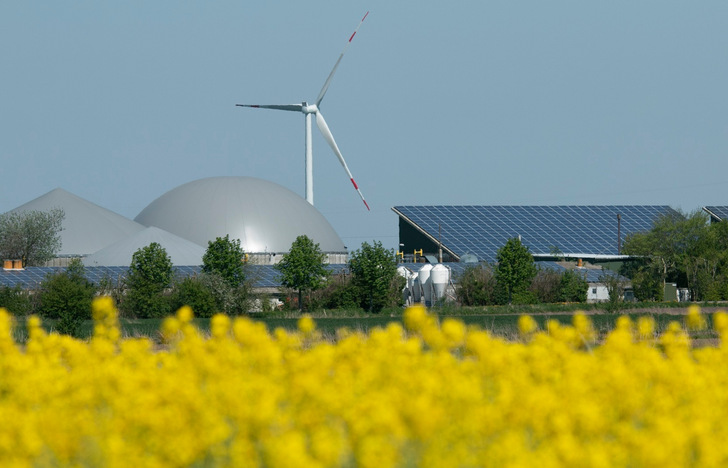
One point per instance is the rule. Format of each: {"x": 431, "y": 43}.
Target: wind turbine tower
{"x": 314, "y": 109}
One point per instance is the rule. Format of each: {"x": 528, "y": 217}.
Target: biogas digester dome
{"x": 266, "y": 217}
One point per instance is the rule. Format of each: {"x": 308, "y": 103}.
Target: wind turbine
{"x": 313, "y": 109}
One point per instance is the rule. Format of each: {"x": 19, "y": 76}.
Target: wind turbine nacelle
{"x": 309, "y": 109}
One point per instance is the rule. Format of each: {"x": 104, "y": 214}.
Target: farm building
{"x": 475, "y": 233}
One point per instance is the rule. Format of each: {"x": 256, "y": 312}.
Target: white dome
{"x": 264, "y": 216}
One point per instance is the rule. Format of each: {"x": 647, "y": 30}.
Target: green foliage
{"x": 31, "y": 236}
{"x": 681, "y": 249}
{"x": 66, "y": 296}
{"x": 15, "y": 299}
{"x": 340, "y": 292}
{"x": 194, "y": 292}
{"x": 374, "y": 271}
{"x": 476, "y": 286}
{"x": 226, "y": 258}
{"x": 149, "y": 275}
{"x": 303, "y": 267}
{"x": 646, "y": 277}
{"x": 514, "y": 271}
{"x": 615, "y": 288}
{"x": 573, "y": 287}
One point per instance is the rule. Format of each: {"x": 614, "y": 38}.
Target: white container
{"x": 416, "y": 289}
{"x": 424, "y": 277}
{"x": 439, "y": 277}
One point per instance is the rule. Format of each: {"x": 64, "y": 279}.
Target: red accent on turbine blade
{"x": 365, "y": 16}
{"x": 367, "y": 205}
{"x": 355, "y": 186}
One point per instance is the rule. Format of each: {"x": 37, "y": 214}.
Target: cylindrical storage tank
{"x": 416, "y": 290}
{"x": 8, "y": 264}
{"x": 17, "y": 264}
{"x": 424, "y": 277}
{"x": 404, "y": 273}
{"x": 439, "y": 277}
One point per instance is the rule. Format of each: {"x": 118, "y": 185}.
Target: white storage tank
{"x": 439, "y": 277}
{"x": 424, "y": 277}
{"x": 416, "y": 289}
{"x": 406, "y": 273}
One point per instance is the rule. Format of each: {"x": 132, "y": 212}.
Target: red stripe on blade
{"x": 355, "y": 186}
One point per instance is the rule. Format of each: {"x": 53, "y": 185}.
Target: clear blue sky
{"x": 505, "y": 102}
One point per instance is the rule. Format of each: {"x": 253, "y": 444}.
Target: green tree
{"x": 226, "y": 258}
{"x": 514, "y": 272}
{"x": 31, "y": 236}
{"x": 149, "y": 275}
{"x": 573, "y": 287}
{"x": 374, "y": 271}
{"x": 681, "y": 249}
{"x": 303, "y": 268}
{"x": 66, "y": 296}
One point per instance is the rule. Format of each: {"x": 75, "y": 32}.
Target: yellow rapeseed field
{"x": 429, "y": 394}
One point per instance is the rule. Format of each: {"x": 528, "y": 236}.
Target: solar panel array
{"x": 720, "y": 211}
{"x": 263, "y": 276}
{"x": 482, "y": 230}
{"x": 31, "y": 277}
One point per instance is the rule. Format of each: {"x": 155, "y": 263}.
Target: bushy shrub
{"x": 546, "y": 285}
{"x": 195, "y": 293}
{"x": 476, "y": 286}
{"x": 230, "y": 300}
{"x": 66, "y": 296}
{"x": 15, "y": 299}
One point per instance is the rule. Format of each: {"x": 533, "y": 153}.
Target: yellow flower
{"x": 694, "y": 319}
{"x": 415, "y": 317}
{"x": 645, "y": 327}
{"x": 306, "y": 325}
{"x": 184, "y": 314}
{"x": 720, "y": 321}
{"x": 526, "y": 325}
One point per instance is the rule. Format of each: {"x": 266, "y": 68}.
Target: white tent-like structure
{"x": 87, "y": 227}
{"x": 181, "y": 251}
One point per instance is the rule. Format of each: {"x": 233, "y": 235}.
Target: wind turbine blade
{"x": 321, "y": 122}
{"x": 331, "y": 75}
{"x": 285, "y": 107}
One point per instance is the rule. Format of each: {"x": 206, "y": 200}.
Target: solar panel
{"x": 262, "y": 276}
{"x": 717, "y": 213}
{"x": 482, "y": 230}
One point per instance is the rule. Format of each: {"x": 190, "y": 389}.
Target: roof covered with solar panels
{"x": 717, "y": 213}
{"x": 583, "y": 231}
